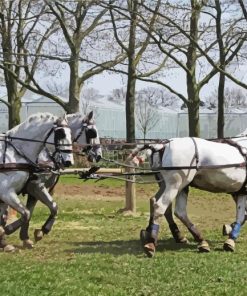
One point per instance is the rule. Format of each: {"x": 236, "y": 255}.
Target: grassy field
{"x": 94, "y": 250}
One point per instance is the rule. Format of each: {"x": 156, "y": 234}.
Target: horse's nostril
{"x": 90, "y": 158}
{"x": 67, "y": 163}
{"x": 98, "y": 158}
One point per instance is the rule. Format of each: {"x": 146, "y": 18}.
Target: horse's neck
{"x": 38, "y": 131}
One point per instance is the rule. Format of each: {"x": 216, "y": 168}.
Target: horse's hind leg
{"x": 176, "y": 233}
{"x": 229, "y": 244}
{"x": 181, "y": 213}
{"x": 13, "y": 201}
{"x": 3, "y": 220}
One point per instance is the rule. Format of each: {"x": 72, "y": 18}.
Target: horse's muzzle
{"x": 67, "y": 163}
{"x": 98, "y": 158}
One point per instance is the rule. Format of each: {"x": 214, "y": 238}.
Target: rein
{"x": 31, "y": 140}
{"x": 157, "y": 170}
{"x": 32, "y": 166}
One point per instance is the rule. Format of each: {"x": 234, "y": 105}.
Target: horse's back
{"x": 187, "y": 152}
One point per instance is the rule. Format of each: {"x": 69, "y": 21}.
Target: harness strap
{"x": 22, "y": 154}
{"x": 15, "y": 166}
{"x": 23, "y": 166}
{"x": 196, "y": 156}
{"x": 199, "y": 167}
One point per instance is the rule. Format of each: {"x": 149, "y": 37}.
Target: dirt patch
{"x": 202, "y": 210}
{"x": 88, "y": 190}
{"x": 103, "y": 191}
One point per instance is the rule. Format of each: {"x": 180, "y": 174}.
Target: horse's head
{"x": 61, "y": 133}
{"x": 87, "y": 136}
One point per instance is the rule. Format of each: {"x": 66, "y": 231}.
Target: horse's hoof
{"x": 28, "y": 244}
{"x": 229, "y": 245}
{"x": 9, "y": 249}
{"x": 38, "y": 234}
{"x": 2, "y": 232}
{"x": 226, "y": 230}
{"x": 144, "y": 236}
{"x": 149, "y": 249}
{"x": 182, "y": 240}
{"x": 203, "y": 247}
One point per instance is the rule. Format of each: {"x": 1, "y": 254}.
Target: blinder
{"x": 59, "y": 134}
{"x": 91, "y": 133}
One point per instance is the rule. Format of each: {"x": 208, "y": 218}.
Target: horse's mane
{"x": 32, "y": 120}
{"x": 75, "y": 115}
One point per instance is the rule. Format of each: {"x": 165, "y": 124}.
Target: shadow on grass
{"x": 121, "y": 247}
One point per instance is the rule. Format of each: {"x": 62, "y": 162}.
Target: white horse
{"x": 207, "y": 165}
{"x": 85, "y": 133}
{"x": 19, "y": 151}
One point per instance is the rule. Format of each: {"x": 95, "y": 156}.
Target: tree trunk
{"x": 130, "y": 106}
{"x": 14, "y": 101}
{"x": 14, "y": 111}
{"x": 130, "y": 93}
{"x": 221, "y": 86}
{"x": 74, "y": 87}
{"x": 221, "y": 107}
{"x": 192, "y": 87}
{"x": 193, "y": 112}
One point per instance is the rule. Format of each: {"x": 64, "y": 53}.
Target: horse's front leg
{"x": 229, "y": 244}
{"x": 24, "y": 236}
{"x": 42, "y": 194}
{"x": 181, "y": 213}
{"x": 176, "y": 233}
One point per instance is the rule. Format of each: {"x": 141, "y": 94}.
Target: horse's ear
{"x": 90, "y": 115}
{"x": 65, "y": 117}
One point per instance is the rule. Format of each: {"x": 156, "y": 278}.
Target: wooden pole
{"x": 130, "y": 192}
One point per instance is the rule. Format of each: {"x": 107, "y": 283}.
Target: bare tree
{"x": 233, "y": 98}
{"x": 21, "y": 36}
{"x": 82, "y": 45}
{"x": 88, "y": 98}
{"x": 146, "y": 114}
{"x": 193, "y": 43}
{"x": 134, "y": 43}
{"x": 84, "y": 25}
{"x": 117, "y": 95}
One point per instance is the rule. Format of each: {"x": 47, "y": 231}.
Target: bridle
{"x": 56, "y": 129}
{"x": 85, "y": 128}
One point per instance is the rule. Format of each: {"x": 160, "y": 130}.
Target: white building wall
{"x": 111, "y": 123}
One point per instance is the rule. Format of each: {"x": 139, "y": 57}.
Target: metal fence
{"x": 112, "y": 122}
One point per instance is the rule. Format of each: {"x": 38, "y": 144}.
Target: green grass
{"x": 94, "y": 250}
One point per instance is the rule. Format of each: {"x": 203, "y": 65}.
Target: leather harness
{"x": 230, "y": 142}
